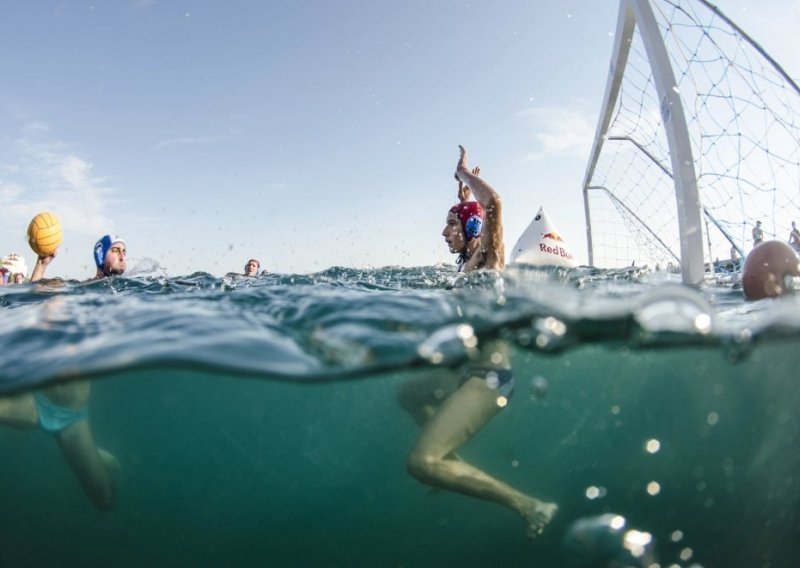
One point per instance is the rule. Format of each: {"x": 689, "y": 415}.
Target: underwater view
{"x": 265, "y": 421}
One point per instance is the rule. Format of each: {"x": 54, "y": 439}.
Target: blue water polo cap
{"x": 102, "y": 247}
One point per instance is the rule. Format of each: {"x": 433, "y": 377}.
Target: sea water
{"x": 256, "y": 420}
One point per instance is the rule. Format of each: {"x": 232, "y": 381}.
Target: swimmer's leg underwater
{"x": 91, "y": 465}
{"x": 433, "y": 460}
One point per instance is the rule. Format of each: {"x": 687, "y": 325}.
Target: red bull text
{"x": 558, "y": 251}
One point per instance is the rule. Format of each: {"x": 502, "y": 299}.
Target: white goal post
{"x": 698, "y": 138}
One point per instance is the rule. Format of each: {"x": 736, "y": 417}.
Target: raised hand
{"x": 464, "y": 194}
{"x": 462, "y": 159}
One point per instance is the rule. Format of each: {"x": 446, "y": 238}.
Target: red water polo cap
{"x": 470, "y": 213}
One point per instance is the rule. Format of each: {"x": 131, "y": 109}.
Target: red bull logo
{"x": 558, "y": 251}
{"x": 555, "y": 236}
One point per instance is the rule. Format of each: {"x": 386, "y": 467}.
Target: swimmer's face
{"x": 115, "y": 264}
{"x": 453, "y": 234}
{"x": 251, "y": 268}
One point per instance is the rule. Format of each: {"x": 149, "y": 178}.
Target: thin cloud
{"x": 75, "y": 172}
{"x": 559, "y": 131}
{"x": 35, "y": 127}
{"x": 9, "y": 192}
{"x": 143, "y": 4}
{"x": 39, "y": 173}
{"x": 185, "y": 141}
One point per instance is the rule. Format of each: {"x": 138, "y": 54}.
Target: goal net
{"x": 698, "y": 139}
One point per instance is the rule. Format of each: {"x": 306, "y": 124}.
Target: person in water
{"x": 794, "y": 237}
{"x": 252, "y": 267}
{"x": 474, "y": 231}
{"x": 13, "y": 270}
{"x": 758, "y": 234}
{"x": 61, "y": 409}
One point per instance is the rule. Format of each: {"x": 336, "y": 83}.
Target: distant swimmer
{"x": 62, "y": 409}
{"x": 758, "y": 234}
{"x": 794, "y": 237}
{"x": 252, "y": 267}
{"x": 769, "y": 271}
{"x": 452, "y": 408}
{"x": 13, "y": 269}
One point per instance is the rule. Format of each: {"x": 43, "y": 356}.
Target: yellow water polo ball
{"x": 44, "y": 234}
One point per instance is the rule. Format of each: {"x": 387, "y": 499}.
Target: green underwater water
{"x": 224, "y": 471}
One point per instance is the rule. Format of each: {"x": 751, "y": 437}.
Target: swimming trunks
{"x": 53, "y": 418}
{"x": 501, "y": 380}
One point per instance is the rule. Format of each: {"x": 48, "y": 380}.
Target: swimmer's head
{"x": 464, "y": 223}
{"x": 470, "y": 213}
{"x": 251, "y": 268}
{"x": 769, "y": 271}
{"x": 109, "y": 255}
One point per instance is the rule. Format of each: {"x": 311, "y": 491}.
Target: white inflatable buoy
{"x": 542, "y": 245}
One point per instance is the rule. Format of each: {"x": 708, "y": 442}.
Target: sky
{"x": 306, "y": 134}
